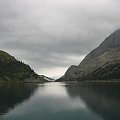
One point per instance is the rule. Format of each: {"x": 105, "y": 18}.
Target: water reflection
{"x": 60, "y": 101}
{"x": 103, "y": 99}
{"x": 12, "y": 95}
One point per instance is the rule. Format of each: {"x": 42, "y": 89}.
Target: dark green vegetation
{"x": 13, "y": 70}
{"x": 103, "y": 63}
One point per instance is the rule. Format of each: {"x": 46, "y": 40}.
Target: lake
{"x": 60, "y": 101}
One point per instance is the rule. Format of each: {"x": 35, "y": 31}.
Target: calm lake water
{"x": 59, "y": 101}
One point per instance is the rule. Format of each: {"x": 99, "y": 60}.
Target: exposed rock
{"x": 108, "y": 52}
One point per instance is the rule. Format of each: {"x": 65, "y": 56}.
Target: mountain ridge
{"x": 12, "y": 70}
{"x": 106, "y": 52}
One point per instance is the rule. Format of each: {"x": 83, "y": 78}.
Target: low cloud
{"x": 54, "y": 34}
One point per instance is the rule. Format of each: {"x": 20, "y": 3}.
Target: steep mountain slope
{"x": 13, "y": 70}
{"x": 101, "y": 63}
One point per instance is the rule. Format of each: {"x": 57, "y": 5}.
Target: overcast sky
{"x": 51, "y": 35}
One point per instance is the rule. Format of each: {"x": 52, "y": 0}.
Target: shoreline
{"x": 91, "y": 82}
{"x": 21, "y": 82}
{"x": 67, "y": 82}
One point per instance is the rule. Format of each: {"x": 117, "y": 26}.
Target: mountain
{"x": 103, "y": 63}
{"x": 14, "y": 70}
{"x": 47, "y": 78}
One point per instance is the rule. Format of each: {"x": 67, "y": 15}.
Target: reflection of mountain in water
{"x": 11, "y": 95}
{"x": 102, "y": 99}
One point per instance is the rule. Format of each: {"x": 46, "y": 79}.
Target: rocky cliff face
{"x": 103, "y": 58}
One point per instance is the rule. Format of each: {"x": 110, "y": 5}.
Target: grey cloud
{"x": 55, "y": 33}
